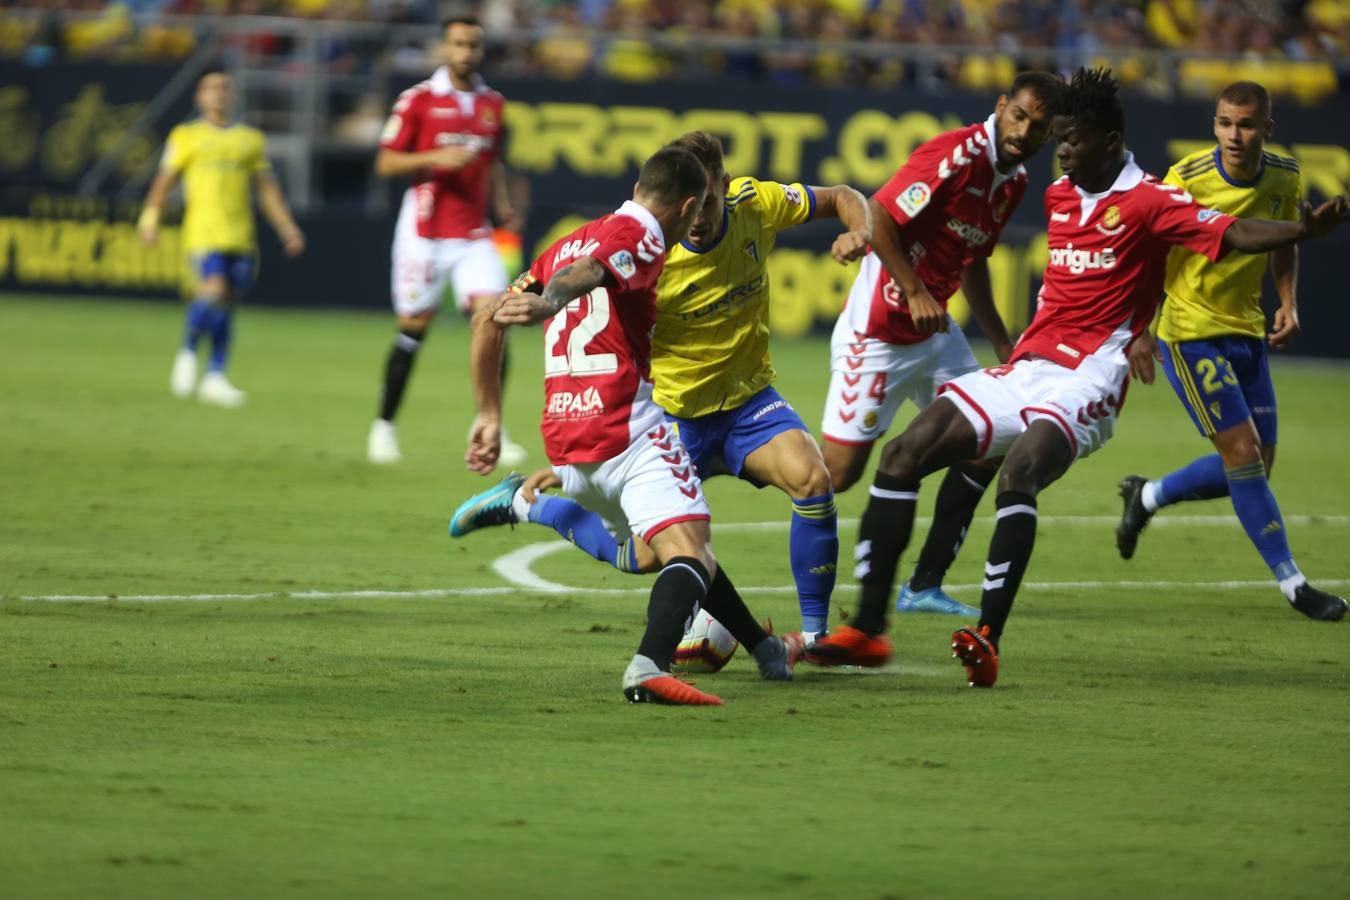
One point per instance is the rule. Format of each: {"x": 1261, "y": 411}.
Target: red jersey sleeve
{"x": 632, "y": 257}
{"x": 916, "y": 185}
{"x": 400, "y": 130}
{"x": 1177, "y": 219}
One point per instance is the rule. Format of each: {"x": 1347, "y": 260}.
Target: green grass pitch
{"x": 1165, "y": 727}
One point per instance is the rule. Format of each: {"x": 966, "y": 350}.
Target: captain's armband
{"x": 525, "y": 283}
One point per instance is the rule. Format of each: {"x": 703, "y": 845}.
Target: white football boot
{"x": 183, "y": 378}
{"x": 382, "y": 445}
{"x": 216, "y": 390}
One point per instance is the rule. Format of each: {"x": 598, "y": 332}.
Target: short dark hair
{"x": 706, "y": 147}
{"x": 471, "y": 21}
{"x": 1242, "y": 93}
{"x": 1091, "y": 99}
{"x": 671, "y": 174}
{"x": 1044, "y": 86}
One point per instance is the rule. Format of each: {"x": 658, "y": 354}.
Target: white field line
{"x": 515, "y": 569}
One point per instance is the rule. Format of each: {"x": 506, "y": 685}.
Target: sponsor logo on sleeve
{"x": 1205, "y": 215}
{"x": 793, "y": 195}
{"x": 392, "y": 127}
{"x": 623, "y": 263}
{"x": 914, "y": 198}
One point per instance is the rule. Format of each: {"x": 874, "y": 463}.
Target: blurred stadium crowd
{"x": 1299, "y": 48}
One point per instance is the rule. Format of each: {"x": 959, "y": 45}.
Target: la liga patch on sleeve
{"x": 914, "y": 198}
{"x": 623, "y": 263}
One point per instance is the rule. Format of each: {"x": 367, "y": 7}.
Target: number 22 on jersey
{"x": 571, "y": 331}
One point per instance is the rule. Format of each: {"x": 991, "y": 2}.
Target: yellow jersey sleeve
{"x": 781, "y": 205}
{"x": 177, "y": 149}
{"x": 1211, "y": 299}
{"x": 261, "y": 163}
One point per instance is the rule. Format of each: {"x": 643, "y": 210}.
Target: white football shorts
{"x": 869, "y": 379}
{"x": 1084, "y": 403}
{"x": 645, "y": 489}
{"x": 423, "y": 267}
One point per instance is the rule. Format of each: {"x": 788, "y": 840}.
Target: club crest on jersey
{"x": 1205, "y": 215}
{"x": 487, "y": 116}
{"x": 623, "y": 263}
{"x": 1110, "y": 224}
{"x": 1275, "y": 205}
{"x": 1001, "y": 210}
{"x": 751, "y": 250}
{"x": 869, "y": 420}
{"x": 914, "y": 198}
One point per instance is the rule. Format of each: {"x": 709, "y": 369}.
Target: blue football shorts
{"x": 236, "y": 267}
{"x": 718, "y": 443}
{"x": 1222, "y": 382}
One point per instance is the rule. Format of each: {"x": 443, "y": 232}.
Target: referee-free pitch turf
{"x": 338, "y": 700}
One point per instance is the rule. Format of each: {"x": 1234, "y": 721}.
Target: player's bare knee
{"x": 902, "y": 457}
{"x": 1239, "y": 447}
{"x": 808, "y": 479}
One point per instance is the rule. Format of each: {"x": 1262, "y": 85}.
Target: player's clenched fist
{"x": 849, "y": 246}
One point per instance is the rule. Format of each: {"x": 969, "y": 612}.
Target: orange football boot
{"x": 978, "y": 654}
{"x": 847, "y": 646}
{"x": 670, "y": 691}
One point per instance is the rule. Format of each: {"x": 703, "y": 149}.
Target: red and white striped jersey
{"x": 597, "y": 350}
{"x": 433, "y": 114}
{"x": 951, "y": 204}
{"x": 1108, "y": 258}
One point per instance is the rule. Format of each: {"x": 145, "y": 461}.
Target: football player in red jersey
{"x": 1111, "y": 227}
{"x": 937, "y": 220}
{"x": 445, "y": 134}
{"x": 607, "y": 439}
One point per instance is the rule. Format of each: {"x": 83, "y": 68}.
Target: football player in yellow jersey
{"x": 712, "y": 375}
{"x": 1213, "y": 345}
{"x": 220, "y": 162}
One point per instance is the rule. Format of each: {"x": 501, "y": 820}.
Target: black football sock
{"x": 957, "y": 500}
{"x": 676, "y": 596}
{"x": 397, "y": 369}
{"x": 1009, "y": 552}
{"x": 727, "y": 607}
{"x": 886, "y": 526}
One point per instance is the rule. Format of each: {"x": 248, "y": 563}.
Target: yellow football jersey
{"x": 710, "y": 347}
{"x": 1207, "y": 299}
{"x": 218, "y": 167}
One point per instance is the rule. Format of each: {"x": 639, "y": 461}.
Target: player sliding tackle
{"x": 1211, "y": 329}
{"x": 713, "y": 377}
{"x": 1110, "y": 229}
{"x": 608, "y": 442}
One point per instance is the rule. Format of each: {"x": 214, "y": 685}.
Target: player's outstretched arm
{"x": 1264, "y": 235}
{"x": 979, "y": 291}
{"x": 850, "y": 207}
{"x": 273, "y": 204}
{"x": 148, "y": 223}
{"x": 566, "y": 285}
{"x": 928, "y": 316}
{"x": 485, "y": 372}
